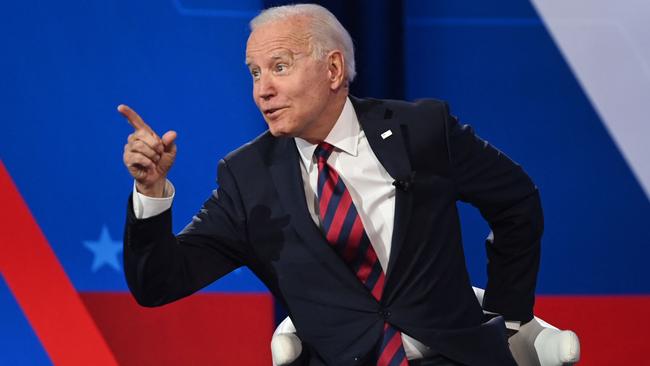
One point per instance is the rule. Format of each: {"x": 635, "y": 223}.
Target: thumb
{"x": 168, "y": 138}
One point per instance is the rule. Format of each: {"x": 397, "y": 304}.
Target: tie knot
{"x": 323, "y": 151}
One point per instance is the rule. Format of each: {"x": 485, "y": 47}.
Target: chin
{"x": 279, "y": 130}
{"x": 278, "y": 133}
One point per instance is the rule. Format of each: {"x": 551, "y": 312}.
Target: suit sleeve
{"x": 510, "y": 203}
{"x": 161, "y": 267}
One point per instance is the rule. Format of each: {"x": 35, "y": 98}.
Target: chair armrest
{"x": 536, "y": 344}
{"x": 285, "y": 344}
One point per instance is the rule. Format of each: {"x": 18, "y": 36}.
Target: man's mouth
{"x": 273, "y": 112}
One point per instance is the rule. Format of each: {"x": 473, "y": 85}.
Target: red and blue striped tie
{"x": 344, "y": 231}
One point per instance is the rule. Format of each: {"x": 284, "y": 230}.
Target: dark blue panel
{"x": 67, "y": 65}
{"x": 503, "y": 74}
{"x": 449, "y": 9}
{"x": 245, "y": 9}
{"x": 18, "y": 342}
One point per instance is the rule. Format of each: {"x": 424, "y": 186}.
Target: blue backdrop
{"x": 180, "y": 64}
{"x": 501, "y": 71}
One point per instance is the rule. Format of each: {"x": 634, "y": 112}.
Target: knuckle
{"x": 141, "y": 134}
{"x": 144, "y": 160}
{"x": 150, "y": 141}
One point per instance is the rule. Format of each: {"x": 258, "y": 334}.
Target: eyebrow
{"x": 278, "y": 55}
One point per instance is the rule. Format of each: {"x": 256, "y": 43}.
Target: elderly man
{"x": 346, "y": 209}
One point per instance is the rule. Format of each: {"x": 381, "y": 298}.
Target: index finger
{"x": 134, "y": 119}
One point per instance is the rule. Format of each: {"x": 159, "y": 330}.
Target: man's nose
{"x": 265, "y": 87}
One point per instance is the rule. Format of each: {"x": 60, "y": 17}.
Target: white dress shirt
{"x": 370, "y": 187}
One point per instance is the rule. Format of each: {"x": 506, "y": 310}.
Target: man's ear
{"x": 336, "y": 69}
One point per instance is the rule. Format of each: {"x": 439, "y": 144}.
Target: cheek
{"x": 254, "y": 95}
{"x": 316, "y": 96}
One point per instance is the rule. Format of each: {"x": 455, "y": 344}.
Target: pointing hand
{"x": 147, "y": 156}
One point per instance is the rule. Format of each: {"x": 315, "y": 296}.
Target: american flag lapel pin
{"x": 386, "y": 134}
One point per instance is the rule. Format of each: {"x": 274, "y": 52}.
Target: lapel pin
{"x": 386, "y": 134}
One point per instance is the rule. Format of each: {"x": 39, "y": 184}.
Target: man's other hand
{"x": 147, "y": 156}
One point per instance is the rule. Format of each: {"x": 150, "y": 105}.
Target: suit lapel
{"x": 376, "y": 119}
{"x": 287, "y": 178}
{"x": 285, "y": 170}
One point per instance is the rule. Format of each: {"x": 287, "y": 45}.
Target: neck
{"x": 331, "y": 114}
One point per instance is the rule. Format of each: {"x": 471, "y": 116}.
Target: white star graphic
{"x": 105, "y": 251}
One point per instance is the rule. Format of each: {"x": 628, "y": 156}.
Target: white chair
{"x": 536, "y": 344}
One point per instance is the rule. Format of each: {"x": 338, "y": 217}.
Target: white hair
{"x": 327, "y": 32}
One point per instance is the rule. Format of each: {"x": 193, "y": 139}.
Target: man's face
{"x": 290, "y": 87}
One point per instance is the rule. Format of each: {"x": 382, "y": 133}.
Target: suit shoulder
{"x": 251, "y": 149}
{"x": 403, "y": 104}
{"x": 420, "y": 106}
{"x": 247, "y": 162}
{"x": 428, "y": 109}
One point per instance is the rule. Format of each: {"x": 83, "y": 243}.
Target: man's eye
{"x": 281, "y": 67}
{"x": 255, "y": 74}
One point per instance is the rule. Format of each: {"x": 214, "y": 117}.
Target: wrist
{"x": 155, "y": 189}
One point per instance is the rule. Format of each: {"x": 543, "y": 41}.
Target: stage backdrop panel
{"x": 535, "y": 84}
{"x": 65, "y": 68}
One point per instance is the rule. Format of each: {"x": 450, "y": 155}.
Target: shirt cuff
{"x": 145, "y": 207}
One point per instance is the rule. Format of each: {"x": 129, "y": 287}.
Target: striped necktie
{"x": 345, "y": 233}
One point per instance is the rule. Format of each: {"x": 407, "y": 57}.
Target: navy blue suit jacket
{"x": 258, "y": 217}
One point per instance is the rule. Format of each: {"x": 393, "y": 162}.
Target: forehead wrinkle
{"x": 288, "y": 40}
{"x": 274, "y": 53}
{"x": 271, "y": 46}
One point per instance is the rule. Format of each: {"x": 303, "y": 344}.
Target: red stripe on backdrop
{"x": 42, "y": 288}
{"x": 613, "y": 330}
{"x": 203, "y": 329}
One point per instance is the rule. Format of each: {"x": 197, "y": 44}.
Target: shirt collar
{"x": 343, "y": 136}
